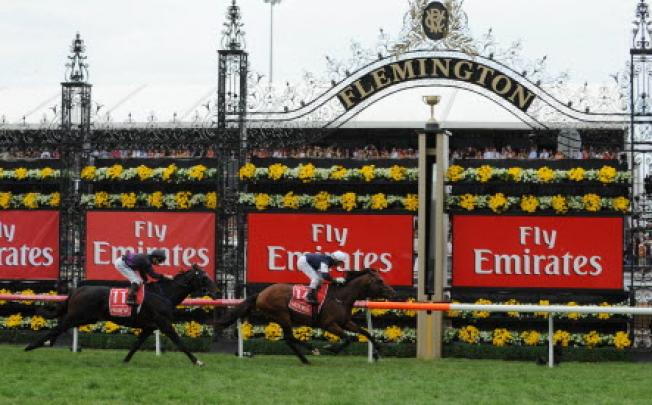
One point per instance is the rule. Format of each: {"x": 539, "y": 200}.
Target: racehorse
{"x": 334, "y": 317}
{"x": 89, "y": 304}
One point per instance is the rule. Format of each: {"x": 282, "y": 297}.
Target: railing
{"x": 412, "y": 306}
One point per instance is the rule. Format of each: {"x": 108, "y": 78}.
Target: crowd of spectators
{"x": 336, "y": 152}
{"x": 113, "y": 154}
{"x": 507, "y": 152}
{"x": 16, "y": 154}
{"x": 153, "y": 154}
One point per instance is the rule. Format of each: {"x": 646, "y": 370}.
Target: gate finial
{"x": 77, "y": 68}
{"x": 233, "y": 34}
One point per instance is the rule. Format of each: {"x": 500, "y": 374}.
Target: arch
{"x": 486, "y": 77}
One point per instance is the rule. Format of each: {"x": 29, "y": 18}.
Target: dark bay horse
{"x": 89, "y": 304}
{"x": 335, "y": 315}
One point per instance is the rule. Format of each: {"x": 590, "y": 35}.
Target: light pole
{"x": 272, "y": 3}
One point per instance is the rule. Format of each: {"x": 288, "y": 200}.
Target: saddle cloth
{"x": 118, "y": 301}
{"x": 298, "y": 301}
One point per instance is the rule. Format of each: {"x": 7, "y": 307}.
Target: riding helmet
{"x": 158, "y": 253}
{"x": 339, "y": 256}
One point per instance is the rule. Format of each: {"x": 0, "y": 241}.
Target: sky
{"x": 164, "y": 51}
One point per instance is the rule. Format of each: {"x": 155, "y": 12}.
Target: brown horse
{"x": 334, "y": 317}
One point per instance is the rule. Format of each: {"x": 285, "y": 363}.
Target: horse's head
{"x": 372, "y": 283}
{"x": 199, "y": 281}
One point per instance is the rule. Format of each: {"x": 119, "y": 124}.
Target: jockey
{"x": 136, "y": 268}
{"x": 317, "y": 266}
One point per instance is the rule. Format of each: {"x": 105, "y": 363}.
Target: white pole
{"x": 75, "y": 340}
{"x": 271, "y": 43}
{"x": 240, "y": 340}
{"x": 551, "y": 341}
{"x": 370, "y": 347}
{"x": 157, "y": 336}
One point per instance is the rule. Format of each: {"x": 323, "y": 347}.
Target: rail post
{"x": 157, "y": 337}
{"x": 370, "y": 346}
{"x": 551, "y": 340}
{"x": 75, "y": 340}
{"x": 238, "y": 326}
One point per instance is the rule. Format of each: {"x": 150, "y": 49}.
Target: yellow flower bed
{"x": 308, "y": 173}
{"x": 145, "y": 173}
{"x": 531, "y": 338}
{"x": 324, "y": 201}
{"x": 469, "y": 334}
{"x": 273, "y": 331}
{"x": 559, "y": 204}
{"x": 542, "y": 175}
{"x": 158, "y": 200}
{"x": 29, "y": 200}
{"x": 22, "y": 173}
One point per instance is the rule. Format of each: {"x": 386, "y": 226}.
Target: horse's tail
{"x": 54, "y": 311}
{"x": 239, "y": 311}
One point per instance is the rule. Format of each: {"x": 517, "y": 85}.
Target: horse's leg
{"x": 292, "y": 342}
{"x": 355, "y": 328}
{"x": 337, "y": 330}
{"x": 147, "y": 332}
{"x": 166, "y": 327}
{"x": 65, "y": 324}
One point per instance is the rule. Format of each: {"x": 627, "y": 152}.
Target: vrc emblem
{"x": 435, "y": 21}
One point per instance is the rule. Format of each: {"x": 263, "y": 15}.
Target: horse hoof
{"x": 199, "y": 363}
{"x": 315, "y": 352}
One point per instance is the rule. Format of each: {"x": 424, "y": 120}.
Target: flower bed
{"x": 24, "y": 174}
{"x": 29, "y": 200}
{"x": 171, "y": 173}
{"x": 324, "y": 201}
{"x": 501, "y": 337}
{"x": 182, "y": 200}
{"x": 308, "y": 173}
{"x": 18, "y": 329}
{"x": 542, "y": 175}
{"x": 559, "y": 204}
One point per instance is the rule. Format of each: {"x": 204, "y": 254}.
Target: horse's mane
{"x": 352, "y": 275}
{"x": 182, "y": 273}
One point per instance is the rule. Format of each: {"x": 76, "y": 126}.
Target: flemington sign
{"x": 456, "y": 69}
{"x": 435, "y": 24}
{"x": 538, "y": 252}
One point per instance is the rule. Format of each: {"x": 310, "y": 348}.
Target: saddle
{"x": 118, "y": 306}
{"x": 298, "y": 301}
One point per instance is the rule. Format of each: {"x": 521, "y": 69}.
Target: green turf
{"x": 57, "y": 376}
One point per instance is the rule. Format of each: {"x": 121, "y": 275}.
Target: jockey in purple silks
{"x": 137, "y": 267}
{"x": 317, "y": 267}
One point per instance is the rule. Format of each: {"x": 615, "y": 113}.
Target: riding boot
{"x": 311, "y": 297}
{"x": 131, "y": 295}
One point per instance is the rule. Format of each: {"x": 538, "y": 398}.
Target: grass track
{"x": 57, "y": 376}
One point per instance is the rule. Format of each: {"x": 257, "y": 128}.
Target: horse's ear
{"x": 196, "y": 267}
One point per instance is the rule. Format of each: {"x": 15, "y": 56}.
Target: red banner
{"x": 29, "y": 245}
{"x": 188, "y": 238}
{"x": 276, "y": 241}
{"x": 538, "y": 252}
